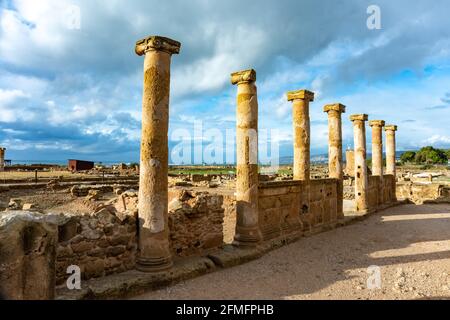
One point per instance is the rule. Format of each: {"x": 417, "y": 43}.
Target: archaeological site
{"x": 224, "y": 159}
{"x": 131, "y": 230}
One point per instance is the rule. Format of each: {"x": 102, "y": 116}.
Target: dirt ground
{"x": 410, "y": 244}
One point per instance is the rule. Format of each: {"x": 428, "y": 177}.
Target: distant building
{"x": 78, "y": 165}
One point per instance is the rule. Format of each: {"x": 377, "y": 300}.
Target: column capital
{"x": 359, "y": 117}
{"x": 157, "y": 43}
{"x": 390, "y": 127}
{"x": 243, "y": 76}
{"x": 334, "y": 107}
{"x": 376, "y": 123}
{"x": 300, "y": 94}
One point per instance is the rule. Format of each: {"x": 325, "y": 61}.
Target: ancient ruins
{"x": 153, "y": 225}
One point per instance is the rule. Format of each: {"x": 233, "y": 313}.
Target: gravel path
{"x": 410, "y": 244}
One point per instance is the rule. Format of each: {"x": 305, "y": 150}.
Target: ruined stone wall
{"x": 420, "y": 193}
{"x": 195, "y": 223}
{"x": 279, "y": 206}
{"x": 27, "y": 256}
{"x": 373, "y": 191}
{"x": 389, "y": 181}
{"x": 323, "y": 202}
{"x": 100, "y": 244}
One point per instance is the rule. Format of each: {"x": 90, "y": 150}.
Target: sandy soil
{"x": 410, "y": 244}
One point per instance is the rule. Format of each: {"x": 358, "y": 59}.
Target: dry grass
{"x": 20, "y": 175}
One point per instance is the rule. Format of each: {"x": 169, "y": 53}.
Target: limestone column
{"x": 300, "y": 119}
{"x": 377, "y": 155}
{"x": 248, "y": 232}
{"x": 2, "y": 159}
{"x": 361, "y": 179}
{"x": 154, "y": 253}
{"x": 390, "y": 156}
{"x": 335, "y": 151}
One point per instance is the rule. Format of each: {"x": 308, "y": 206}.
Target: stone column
{"x": 335, "y": 151}
{"x": 361, "y": 179}
{"x": 390, "y": 156}
{"x": 349, "y": 163}
{"x": 154, "y": 253}
{"x": 300, "y": 119}
{"x": 377, "y": 155}
{"x": 301, "y": 127}
{"x": 248, "y": 232}
{"x": 2, "y": 159}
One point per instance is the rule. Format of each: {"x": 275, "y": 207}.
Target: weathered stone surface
{"x": 335, "y": 167}
{"x": 27, "y": 256}
{"x": 154, "y": 247}
{"x": 361, "y": 174}
{"x": 195, "y": 223}
{"x": 247, "y": 232}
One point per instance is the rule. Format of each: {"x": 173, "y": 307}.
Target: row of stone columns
{"x": 360, "y": 166}
{"x": 154, "y": 247}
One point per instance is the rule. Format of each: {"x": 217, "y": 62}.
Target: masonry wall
{"x": 195, "y": 223}
{"x": 279, "y": 206}
{"x": 373, "y": 191}
{"x": 389, "y": 183}
{"x": 323, "y": 202}
{"x": 420, "y": 193}
{"x": 100, "y": 244}
{"x": 106, "y": 241}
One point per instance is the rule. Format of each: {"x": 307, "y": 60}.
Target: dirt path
{"x": 410, "y": 244}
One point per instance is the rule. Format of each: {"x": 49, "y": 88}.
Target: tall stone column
{"x": 361, "y": 179}
{"x": 390, "y": 156}
{"x": 300, "y": 119}
{"x": 2, "y": 159}
{"x": 377, "y": 155}
{"x": 335, "y": 151}
{"x": 301, "y": 135}
{"x": 154, "y": 253}
{"x": 248, "y": 232}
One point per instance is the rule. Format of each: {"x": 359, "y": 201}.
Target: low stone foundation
{"x": 195, "y": 223}
{"x": 420, "y": 193}
{"x": 100, "y": 244}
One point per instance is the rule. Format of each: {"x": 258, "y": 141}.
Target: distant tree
{"x": 430, "y": 155}
{"x": 407, "y": 156}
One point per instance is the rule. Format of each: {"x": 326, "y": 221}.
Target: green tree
{"x": 431, "y": 155}
{"x": 407, "y": 156}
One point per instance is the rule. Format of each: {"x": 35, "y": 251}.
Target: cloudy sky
{"x": 70, "y": 86}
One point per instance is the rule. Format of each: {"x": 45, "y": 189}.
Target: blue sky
{"x": 68, "y": 92}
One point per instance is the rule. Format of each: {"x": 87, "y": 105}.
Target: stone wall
{"x": 195, "y": 222}
{"x": 100, "y": 244}
{"x": 420, "y": 193}
{"x": 106, "y": 241}
{"x": 323, "y": 202}
{"x": 27, "y": 256}
{"x": 389, "y": 188}
{"x": 279, "y": 206}
{"x": 373, "y": 191}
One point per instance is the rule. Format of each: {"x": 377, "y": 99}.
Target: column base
{"x": 247, "y": 237}
{"x": 153, "y": 264}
